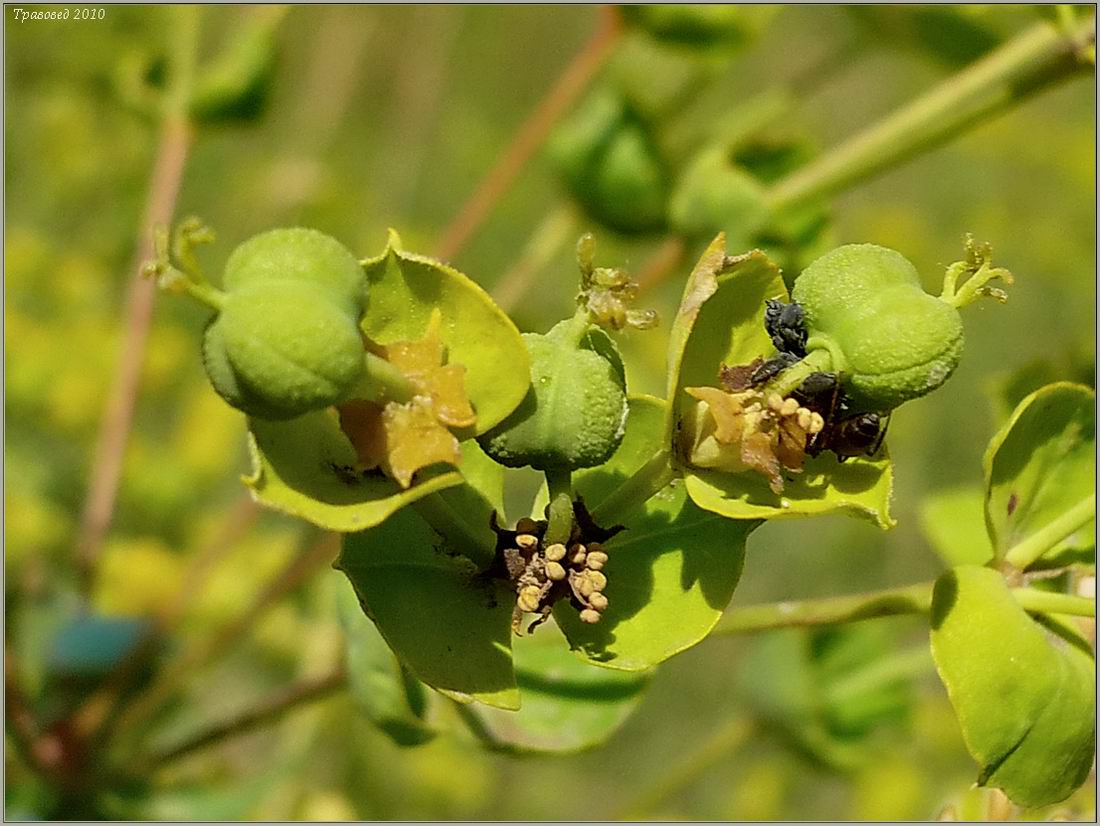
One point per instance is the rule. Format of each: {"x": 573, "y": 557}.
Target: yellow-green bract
{"x": 890, "y": 340}
{"x": 287, "y": 338}
{"x": 575, "y": 412}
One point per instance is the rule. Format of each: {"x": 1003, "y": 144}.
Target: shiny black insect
{"x": 786, "y": 326}
{"x": 846, "y": 433}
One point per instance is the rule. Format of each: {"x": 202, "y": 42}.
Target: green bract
{"x": 721, "y": 321}
{"x": 715, "y": 194}
{"x": 575, "y": 413}
{"x": 701, "y": 26}
{"x": 890, "y": 339}
{"x": 610, "y": 163}
{"x": 1025, "y": 698}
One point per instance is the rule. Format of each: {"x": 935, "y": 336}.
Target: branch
{"x": 908, "y": 599}
{"x": 1030, "y": 62}
{"x": 268, "y": 710}
{"x": 569, "y": 86}
{"x": 167, "y": 175}
{"x": 1028, "y": 551}
{"x": 314, "y": 557}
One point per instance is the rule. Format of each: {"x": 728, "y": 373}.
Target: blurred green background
{"x": 388, "y": 117}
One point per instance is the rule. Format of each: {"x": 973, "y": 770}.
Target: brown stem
{"x": 268, "y": 710}
{"x": 661, "y": 264}
{"x": 171, "y": 156}
{"x": 97, "y": 709}
{"x": 314, "y": 557}
{"x": 569, "y": 86}
{"x": 40, "y": 753}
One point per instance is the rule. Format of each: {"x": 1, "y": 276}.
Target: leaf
{"x": 830, "y": 689}
{"x": 567, "y": 705}
{"x": 1025, "y": 700}
{"x": 450, "y": 627}
{"x": 672, "y": 571}
{"x": 721, "y": 321}
{"x": 1041, "y": 464}
{"x": 861, "y": 487}
{"x": 404, "y": 290}
{"x": 953, "y": 525}
{"x": 305, "y": 467}
{"x": 389, "y": 697}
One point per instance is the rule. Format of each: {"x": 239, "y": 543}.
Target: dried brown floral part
{"x": 735, "y": 378}
{"x": 726, "y": 410}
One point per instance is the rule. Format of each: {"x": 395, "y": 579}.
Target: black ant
{"x": 846, "y": 433}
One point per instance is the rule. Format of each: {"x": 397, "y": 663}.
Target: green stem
{"x": 816, "y": 361}
{"x": 908, "y": 599}
{"x": 559, "y": 481}
{"x": 1035, "y": 601}
{"x": 1033, "y": 60}
{"x": 460, "y": 535}
{"x": 725, "y": 739}
{"x": 892, "y": 668}
{"x": 382, "y": 382}
{"x": 653, "y": 477}
{"x": 1028, "y": 551}
{"x": 205, "y": 292}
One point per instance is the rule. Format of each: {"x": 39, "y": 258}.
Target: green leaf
{"x": 386, "y": 693}
{"x": 953, "y": 525}
{"x": 567, "y": 705}
{"x": 404, "y": 290}
{"x": 1039, "y": 466}
{"x": 721, "y": 321}
{"x": 1025, "y": 699}
{"x": 831, "y": 689}
{"x": 237, "y": 86}
{"x": 304, "y": 467}
{"x": 672, "y": 571}
{"x": 448, "y": 625}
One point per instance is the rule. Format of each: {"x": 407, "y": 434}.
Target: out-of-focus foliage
{"x": 365, "y": 118}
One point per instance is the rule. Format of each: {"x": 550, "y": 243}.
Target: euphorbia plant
{"x": 387, "y": 397}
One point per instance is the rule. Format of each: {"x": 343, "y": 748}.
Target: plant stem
{"x": 661, "y": 264}
{"x": 315, "y": 555}
{"x": 908, "y": 599}
{"x": 649, "y": 480}
{"x": 1035, "y": 601}
{"x": 569, "y": 86}
{"x": 268, "y": 710}
{"x": 559, "y": 482}
{"x": 1031, "y": 61}
{"x": 460, "y": 535}
{"x": 1028, "y": 551}
{"x": 545, "y": 242}
{"x": 891, "y": 668}
{"x": 727, "y": 738}
{"x": 382, "y": 382}
{"x": 815, "y": 361}
{"x": 167, "y": 176}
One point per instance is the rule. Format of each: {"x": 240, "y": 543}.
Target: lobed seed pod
{"x": 279, "y": 350}
{"x": 574, "y": 416}
{"x": 286, "y": 339}
{"x": 610, "y": 163}
{"x": 889, "y": 339}
{"x": 301, "y": 255}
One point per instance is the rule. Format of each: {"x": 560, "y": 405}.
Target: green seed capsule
{"x": 281, "y": 349}
{"x": 611, "y": 165}
{"x": 575, "y": 413}
{"x": 301, "y": 255}
{"x": 890, "y": 340}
